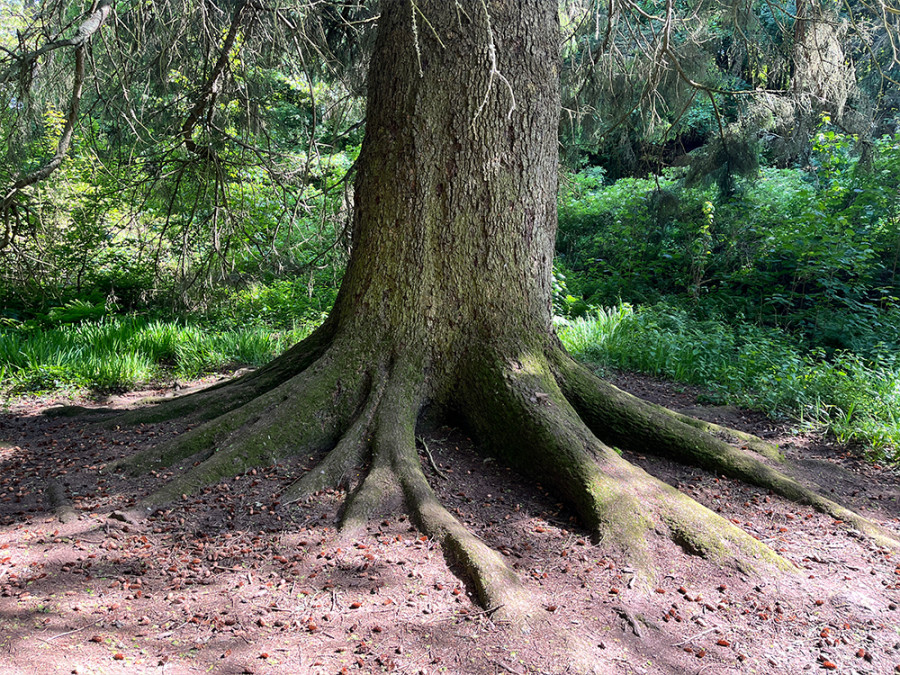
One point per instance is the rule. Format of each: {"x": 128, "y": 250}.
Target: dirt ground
{"x": 233, "y": 581}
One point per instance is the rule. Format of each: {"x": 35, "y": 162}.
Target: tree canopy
{"x": 227, "y": 128}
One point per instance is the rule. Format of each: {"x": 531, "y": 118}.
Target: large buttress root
{"x": 498, "y": 588}
{"x": 628, "y": 422}
{"x": 307, "y": 413}
{"x": 359, "y": 413}
{"x": 349, "y": 453}
{"x": 517, "y": 407}
{"x": 386, "y": 429}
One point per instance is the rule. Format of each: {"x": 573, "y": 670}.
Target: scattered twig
{"x": 487, "y": 612}
{"x": 694, "y": 637}
{"x": 69, "y": 632}
{"x": 509, "y": 668}
{"x": 161, "y": 636}
{"x": 434, "y": 466}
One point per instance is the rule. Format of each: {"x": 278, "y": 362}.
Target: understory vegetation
{"x": 782, "y": 297}
{"x": 121, "y": 352}
{"x": 760, "y": 368}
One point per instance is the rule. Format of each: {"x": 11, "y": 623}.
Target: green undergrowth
{"x": 855, "y": 398}
{"x": 121, "y": 352}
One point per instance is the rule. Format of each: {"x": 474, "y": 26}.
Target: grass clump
{"x": 122, "y": 352}
{"x": 854, "y": 397}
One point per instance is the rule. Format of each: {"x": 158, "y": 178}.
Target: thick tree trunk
{"x": 446, "y": 302}
{"x": 456, "y": 194}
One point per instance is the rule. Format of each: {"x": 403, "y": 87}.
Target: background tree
{"x": 715, "y": 85}
{"x": 212, "y": 146}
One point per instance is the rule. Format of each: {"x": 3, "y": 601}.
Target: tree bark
{"x": 456, "y": 194}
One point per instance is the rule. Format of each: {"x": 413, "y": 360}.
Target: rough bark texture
{"x": 446, "y": 303}
{"x": 456, "y": 211}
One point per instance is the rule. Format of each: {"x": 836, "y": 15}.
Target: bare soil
{"x": 233, "y": 581}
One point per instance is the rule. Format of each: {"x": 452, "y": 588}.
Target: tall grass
{"x": 854, "y": 398}
{"x": 122, "y": 352}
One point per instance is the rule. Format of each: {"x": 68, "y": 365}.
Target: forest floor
{"x": 232, "y": 581}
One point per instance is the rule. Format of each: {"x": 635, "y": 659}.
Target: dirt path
{"x": 231, "y": 581}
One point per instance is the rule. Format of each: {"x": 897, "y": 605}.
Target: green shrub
{"x": 813, "y": 250}
{"x": 761, "y": 368}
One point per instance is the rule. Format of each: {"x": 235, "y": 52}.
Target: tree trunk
{"x": 456, "y": 194}
{"x": 446, "y": 302}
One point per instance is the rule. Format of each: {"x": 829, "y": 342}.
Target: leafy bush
{"x": 281, "y": 304}
{"x": 814, "y": 250}
{"x": 761, "y": 368}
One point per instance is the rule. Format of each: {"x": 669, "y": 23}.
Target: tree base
{"x": 540, "y": 412}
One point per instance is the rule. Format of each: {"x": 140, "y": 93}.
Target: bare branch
{"x": 80, "y": 42}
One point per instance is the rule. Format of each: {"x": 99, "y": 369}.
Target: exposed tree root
{"x": 378, "y": 493}
{"x": 349, "y": 453}
{"x": 544, "y": 437}
{"x": 497, "y": 586}
{"x": 631, "y": 423}
{"x": 386, "y": 429}
{"x": 735, "y": 436}
{"x": 307, "y": 413}
{"x": 540, "y": 411}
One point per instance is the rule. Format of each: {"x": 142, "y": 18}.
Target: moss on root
{"x": 634, "y": 424}
{"x": 626, "y": 507}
